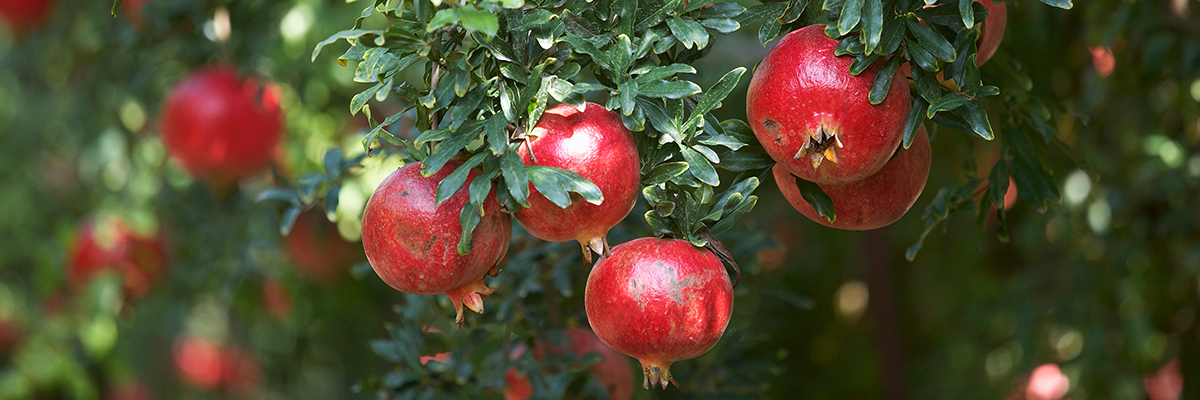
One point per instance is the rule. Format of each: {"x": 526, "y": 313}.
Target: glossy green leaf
{"x": 931, "y": 41}
{"x": 883, "y": 80}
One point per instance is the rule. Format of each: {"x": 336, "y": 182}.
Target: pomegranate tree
{"x": 593, "y": 143}
{"x": 318, "y": 251}
{"x": 660, "y": 301}
{"x": 813, "y": 117}
{"x": 613, "y": 370}
{"x": 221, "y": 128}
{"x": 22, "y": 15}
{"x": 411, "y": 241}
{"x": 108, "y": 244}
{"x": 875, "y": 201}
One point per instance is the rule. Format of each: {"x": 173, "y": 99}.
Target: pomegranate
{"x": 129, "y": 391}
{"x": 1047, "y": 382}
{"x": 134, "y": 10}
{"x": 108, "y": 244}
{"x": 991, "y": 30}
{"x": 221, "y": 128}
{"x": 318, "y": 251}
{"x": 1166, "y": 383}
{"x": 613, "y": 369}
{"x": 412, "y": 242}
{"x": 660, "y": 301}
{"x": 276, "y": 299}
{"x": 207, "y": 365}
{"x": 874, "y": 202}
{"x": 595, "y": 144}
{"x": 23, "y": 15}
{"x": 814, "y": 118}
{"x": 11, "y": 335}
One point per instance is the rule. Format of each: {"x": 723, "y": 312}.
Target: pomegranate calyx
{"x": 598, "y": 245}
{"x": 822, "y": 144}
{"x": 470, "y": 296}
{"x": 654, "y": 375}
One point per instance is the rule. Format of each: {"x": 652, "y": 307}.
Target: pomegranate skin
{"x": 318, "y": 251}
{"x": 660, "y": 301}
{"x": 595, "y": 144}
{"x": 412, "y": 243}
{"x": 814, "y": 118}
{"x": 23, "y": 15}
{"x": 107, "y": 244}
{"x": 613, "y": 369}
{"x": 220, "y": 128}
{"x": 991, "y": 31}
{"x": 874, "y": 202}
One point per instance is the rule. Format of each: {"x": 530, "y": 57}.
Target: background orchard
{"x": 1083, "y": 286}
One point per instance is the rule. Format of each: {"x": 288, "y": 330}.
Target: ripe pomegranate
{"x": 1166, "y": 383}
{"x": 877, "y": 200}
{"x": 660, "y": 301}
{"x": 991, "y": 30}
{"x": 613, "y": 369}
{"x": 814, "y": 118}
{"x": 207, "y": 365}
{"x": 1047, "y": 382}
{"x": 595, "y": 144}
{"x": 412, "y": 242}
{"x": 221, "y": 128}
{"x": 23, "y": 15}
{"x": 108, "y": 244}
{"x": 318, "y": 251}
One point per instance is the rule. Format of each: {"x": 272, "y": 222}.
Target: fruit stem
{"x": 655, "y": 375}
{"x": 470, "y": 296}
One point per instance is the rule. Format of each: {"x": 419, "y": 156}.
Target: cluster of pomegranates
{"x": 658, "y": 300}
{"x": 814, "y": 119}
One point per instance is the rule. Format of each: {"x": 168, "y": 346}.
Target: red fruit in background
{"x": 108, "y": 244}
{"x": 221, "y": 128}
{"x": 11, "y": 336}
{"x": 1047, "y": 382}
{"x": 22, "y": 15}
{"x": 991, "y": 30}
{"x": 412, "y": 242}
{"x": 814, "y": 118}
{"x": 613, "y": 369}
{"x": 318, "y": 251}
{"x": 595, "y": 144}
{"x": 1166, "y": 383}
{"x": 129, "y": 391}
{"x": 660, "y": 301}
{"x": 276, "y": 298}
{"x": 198, "y": 362}
{"x": 874, "y": 202}
{"x": 134, "y": 10}
{"x": 239, "y": 370}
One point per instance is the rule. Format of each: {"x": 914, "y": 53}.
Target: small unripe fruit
{"x": 595, "y": 144}
{"x": 221, "y": 128}
{"x": 660, "y": 301}
{"x": 813, "y": 117}
{"x": 874, "y": 202}
{"x": 412, "y": 242}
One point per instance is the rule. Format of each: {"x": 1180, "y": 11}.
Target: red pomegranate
{"x": 991, "y": 30}
{"x": 660, "y": 301}
{"x": 318, "y": 251}
{"x": 814, "y": 118}
{"x": 595, "y": 144}
{"x": 221, "y": 128}
{"x": 108, "y": 244}
{"x": 134, "y": 10}
{"x": 207, "y": 365}
{"x": 613, "y": 369}
{"x": 11, "y": 336}
{"x": 23, "y": 15}
{"x": 412, "y": 242}
{"x": 874, "y": 202}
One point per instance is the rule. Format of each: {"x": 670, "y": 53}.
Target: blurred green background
{"x": 1103, "y": 287}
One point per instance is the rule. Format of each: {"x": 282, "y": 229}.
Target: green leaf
{"x": 470, "y": 17}
{"x": 768, "y": 31}
{"x": 872, "y": 21}
{"x": 723, "y": 9}
{"x": 713, "y": 97}
{"x": 690, "y": 33}
{"x": 730, "y": 218}
{"x": 998, "y": 183}
{"x": 927, "y": 85}
{"x": 740, "y": 161}
{"x": 968, "y": 15}
{"x": 947, "y": 102}
{"x": 668, "y": 89}
{"x": 723, "y": 25}
{"x": 1034, "y": 185}
{"x": 451, "y": 146}
{"x": 662, "y": 173}
{"x": 816, "y": 198}
{"x": 892, "y": 35}
{"x": 932, "y": 42}
{"x": 851, "y": 14}
{"x": 453, "y": 182}
{"x": 861, "y": 63}
{"x": 1063, "y": 4}
{"x": 555, "y": 183}
{"x": 977, "y": 118}
{"x": 497, "y": 134}
{"x": 883, "y": 80}
{"x": 288, "y": 220}
{"x": 531, "y": 20}
{"x": 515, "y": 177}
{"x": 651, "y": 72}
{"x": 360, "y": 100}
{"x": 916, "y": 117}
{"x": 279, "y": 194}
{"x": 468, "y": 219}
{"x": 349, "y": 35}
{"x": 654, "y": 16}
{"x": 794, "y": 9}
{"x": 917, "y": 53}
{"x": 700, "y": 167}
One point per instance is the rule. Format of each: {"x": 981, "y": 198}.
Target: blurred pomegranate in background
{"x": 1166, "y": 383}
{"x": 1047, "y": 382}
{"x": 318, "y": 251}
{"x": 23, "y": 15}
{"x": 220, "y": 127}
{"x": 129, "y": 391}
{"x": 109, "y": 244}
{"x": 207, "y": 365}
